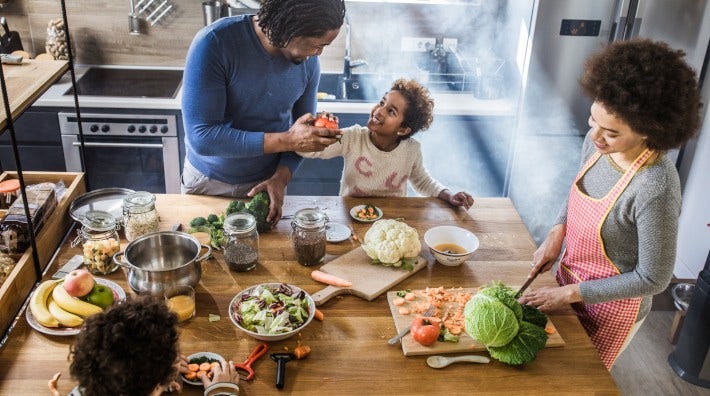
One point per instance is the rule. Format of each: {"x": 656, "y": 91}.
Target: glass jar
{"x": 99, "y": 241}
{"x": 9, "y": 190}
{"x": 139, "y": 215}
{"x": 242, "y": 249}
{"x": 308, "y": 236}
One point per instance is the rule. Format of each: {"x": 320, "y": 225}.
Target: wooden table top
{"x": 350, "y": 354}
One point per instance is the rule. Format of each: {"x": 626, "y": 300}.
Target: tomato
{"x": 324, "y": 122}
{"x": 425, "y": 330}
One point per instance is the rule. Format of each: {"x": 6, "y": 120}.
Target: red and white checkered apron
{"x": 608, "y": 324}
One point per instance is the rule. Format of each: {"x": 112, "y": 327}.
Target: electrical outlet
{"x": 418, "y": 44}
{"x": 450, "y": 44}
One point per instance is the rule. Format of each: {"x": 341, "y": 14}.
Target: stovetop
{"x": 138, "y": 83}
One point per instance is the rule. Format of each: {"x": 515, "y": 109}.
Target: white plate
{"x": 355, "y": 209}
{"x": 336, "y": 232}
{"x": 118, "y": 294}
{"x": 209, "y": 355}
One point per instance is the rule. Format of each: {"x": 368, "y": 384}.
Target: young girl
{"x": 381, "y": 158}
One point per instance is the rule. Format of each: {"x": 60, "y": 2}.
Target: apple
{"x": 79, "y": 283}
{"x": 100, "y": 295}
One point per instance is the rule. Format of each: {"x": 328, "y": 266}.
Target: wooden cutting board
{"x": 369, "y": 281}
{"x": 465, "y": 344}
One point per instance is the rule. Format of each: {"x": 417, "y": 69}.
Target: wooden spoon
{"x": 443, "y": 361}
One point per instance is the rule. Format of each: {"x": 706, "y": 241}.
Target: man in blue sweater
{"x": 246, "y": 80}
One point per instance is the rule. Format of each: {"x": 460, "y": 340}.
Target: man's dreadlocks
{"x": 282, "y": 20}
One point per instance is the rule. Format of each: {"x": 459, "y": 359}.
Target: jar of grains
{"x": 139, "y": 215}
{"x": 242, "y": 249}
{"x": 9, "y": 190}
{"x": 308, "y": 236}
{"x": 99, "y": 241}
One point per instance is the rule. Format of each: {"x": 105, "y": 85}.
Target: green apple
{"x": 100, "y": 295}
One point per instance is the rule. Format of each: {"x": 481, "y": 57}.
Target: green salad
{"x": 271, "y": 310}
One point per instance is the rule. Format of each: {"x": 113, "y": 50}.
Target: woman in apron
{"x": 619, "y": 224}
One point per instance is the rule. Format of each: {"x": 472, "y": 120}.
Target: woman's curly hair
{"x": 282, "y": 20}
{"x": 420, "y": 106}
{"x": 127, "y": 350}
{"x": 650, "y": 87}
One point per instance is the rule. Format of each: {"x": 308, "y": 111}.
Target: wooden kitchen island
{"x": 350, "y": 354}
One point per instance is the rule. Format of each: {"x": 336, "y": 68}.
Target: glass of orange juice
{"x": 181, "y": 300}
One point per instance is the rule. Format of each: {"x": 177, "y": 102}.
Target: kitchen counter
{"x": 350, "y": 354}
{"x": 445, "y": 103}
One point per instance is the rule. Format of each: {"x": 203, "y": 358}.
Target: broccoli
{"x": 236, "y": 207}
{"x": 259, "y": 208}
{"x": 213, "y": 218}
{"x": 198, "y": 221}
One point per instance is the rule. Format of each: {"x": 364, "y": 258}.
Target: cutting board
{"x": 465, "y": 344}
{"x": 368, "y": 280}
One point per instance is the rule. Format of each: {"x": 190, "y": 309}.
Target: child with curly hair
{"x": 133, "y": 349}
{"x": 380, "y": 158}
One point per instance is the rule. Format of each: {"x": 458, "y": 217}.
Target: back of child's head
{"x": 420, "y": 106}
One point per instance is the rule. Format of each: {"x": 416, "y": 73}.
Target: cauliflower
{"x": 392, "y": 243}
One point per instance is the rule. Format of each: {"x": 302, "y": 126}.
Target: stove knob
{"x": 142, "y": 129}
{"x": 153, "y": 129}
{"x": 164, "y": 129}
{"x": 94, "y": 128}
{"x": 105, "y": 128}
{"x": 131, "y": 128}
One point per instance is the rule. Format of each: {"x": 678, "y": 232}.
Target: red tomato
{"x": 323, "y": 122}
{"x": 425, "y": 330}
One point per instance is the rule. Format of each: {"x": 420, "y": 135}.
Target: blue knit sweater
{"x": 234, "y": 91}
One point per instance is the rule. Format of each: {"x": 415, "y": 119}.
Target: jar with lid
{"x": 139, "y": 215}
{"x": 99, "y": 241}
{"x": 9, "y": 190}
{"x": 308, "y": 236}
{"x": 242, "y": 247}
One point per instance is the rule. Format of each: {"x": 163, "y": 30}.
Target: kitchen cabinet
{"x": 38, "y": 140}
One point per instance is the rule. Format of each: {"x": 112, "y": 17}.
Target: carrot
{"x": 399, "y": 301}
{"x": 329, "y": 279}
{"x": 319, "y": 315}
{"x": 301, "y": 351}
{"x": 205, "y": 366}
{"x": 404, "y": 311}
{"x": 201, "y": 373}
{"x": 550, "y": 329}
{"x": 194, "y": 367}
{"x": 190, "y": 375}
{"x": 409, "y": 297}
{"x": 214, "y": 365}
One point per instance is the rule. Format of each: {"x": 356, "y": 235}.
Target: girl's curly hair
{"x": 127, "y": 350}
{"x": 282, "y": 20}
{"x": 650, "y": 87}
{"x": 420, "y": 108}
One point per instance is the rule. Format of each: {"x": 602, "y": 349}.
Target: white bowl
{"x": 209, "y": 355}
{"x": 272, "y": 337}
{"x": 451, "y": 234}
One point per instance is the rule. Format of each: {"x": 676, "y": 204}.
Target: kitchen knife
{"x": 9, "y": 41}
{"x": 525, "y": 285}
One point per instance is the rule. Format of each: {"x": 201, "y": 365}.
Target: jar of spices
{"x": 139, "y": 215}
{"x": 99, "y": 241}
{"x": 9, "y": 190}
{"x": 242, "y": 249}
{"x": 308, "y": 236}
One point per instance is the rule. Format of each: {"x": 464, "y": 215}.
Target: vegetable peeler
{"x": 244, "y": 369}
{"x": 281, "y": 359}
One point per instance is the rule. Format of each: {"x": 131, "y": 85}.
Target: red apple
{"x": 79, "y": 283}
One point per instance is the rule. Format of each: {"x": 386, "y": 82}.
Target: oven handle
{"x": 94, "y": 144}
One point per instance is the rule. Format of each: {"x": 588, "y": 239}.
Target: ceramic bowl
{"x": 234, "y": 304}
{"x": 436, "y": 236}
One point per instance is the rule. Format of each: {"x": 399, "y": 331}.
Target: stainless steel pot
{"x": 162, "y": 259}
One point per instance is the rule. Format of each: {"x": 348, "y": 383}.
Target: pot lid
{"x": 106, "y": 199}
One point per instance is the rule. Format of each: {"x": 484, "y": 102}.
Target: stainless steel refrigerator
{"x": 553, "y": 113}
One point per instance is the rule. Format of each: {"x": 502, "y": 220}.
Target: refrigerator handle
{"x": 625, "y": 25}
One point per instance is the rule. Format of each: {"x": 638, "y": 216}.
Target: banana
{"x": 38, "y": 304}
{"x": 65, "y": 318}
{"x": 73, "y": 305}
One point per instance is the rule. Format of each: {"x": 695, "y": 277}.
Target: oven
{"x": 137, "y": 151}
{"x": 130, "y": 140}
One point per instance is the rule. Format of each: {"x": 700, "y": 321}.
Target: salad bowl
{"x": 252, "y": 311}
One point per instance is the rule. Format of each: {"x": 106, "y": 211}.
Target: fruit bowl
{"x": 236, "y": 309}
{"x": 451, "y": 245}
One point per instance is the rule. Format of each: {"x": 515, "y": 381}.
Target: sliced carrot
{"x": 550, "y": 329}
{"x": 404, "y": 311}
{"x": 194, "y": 367}
{"x": 301, "y": 351}
{"x": 201, "y": 373}
{"x": 205, "y": 366}
{"x": 329, "y": 279}
{"x": 409, "y": 297}
{"x": 399, "y": 301}
{"x": 319, "y": 315}
{"x": 191, "y": 375}
{"x": 214, "y": 365}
